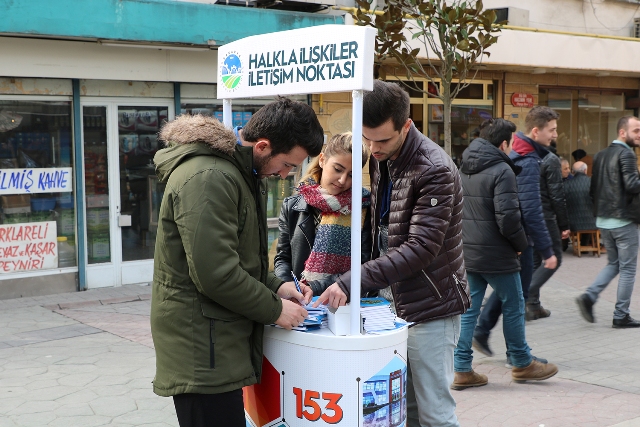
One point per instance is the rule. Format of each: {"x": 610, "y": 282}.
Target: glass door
{"x": 101, "y": 269}
{"x": 140, "y": 192}
{"x": 122, "y": 192}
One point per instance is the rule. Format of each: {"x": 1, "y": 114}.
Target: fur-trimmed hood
{"x": 188, "y": 136}
{"x": 188, "y": 129}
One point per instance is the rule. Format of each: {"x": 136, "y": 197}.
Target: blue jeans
{"x": 622, "y": 254}
{"x": 430, "y": 373}
{"x": 508, "y": 289}
{"x": 493, "y": 307}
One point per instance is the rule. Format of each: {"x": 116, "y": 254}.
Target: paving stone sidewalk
{"x": 86, "y": 359}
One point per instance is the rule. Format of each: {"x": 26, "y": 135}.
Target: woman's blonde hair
{"x": 338, "y": 144}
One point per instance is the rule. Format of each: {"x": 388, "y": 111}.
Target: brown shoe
{"x": 464, "y": 380}
{"x": 536, "y": 371}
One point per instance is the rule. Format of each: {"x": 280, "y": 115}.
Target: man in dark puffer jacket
{"x": 528, "y": 152}
{"x": 554, "y": 208}
{"x": 493, "y": 237}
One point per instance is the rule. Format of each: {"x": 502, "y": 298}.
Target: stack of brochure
{"x": 377, "y": 315}
{"x": 316, "y": 318}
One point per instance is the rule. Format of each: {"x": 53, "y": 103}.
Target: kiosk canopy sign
{"x": 326, "y": 58}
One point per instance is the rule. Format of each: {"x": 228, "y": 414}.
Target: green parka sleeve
{"x": 209, "y": 210}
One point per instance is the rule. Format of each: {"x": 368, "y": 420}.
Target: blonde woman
{"x": 315, "y": 224}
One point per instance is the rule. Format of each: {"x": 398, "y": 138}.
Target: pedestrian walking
{"x": 493, "y": 236}
{"x": 615, "y": 185}
{"x": 528, "y": 151}
{"x": 554, "y": 208}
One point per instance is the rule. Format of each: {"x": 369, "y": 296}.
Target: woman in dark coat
{"x": 315, "y": 224}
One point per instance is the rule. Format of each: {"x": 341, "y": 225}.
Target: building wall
{"x": 530, "y": 83}
{"x": 608, "y": 17}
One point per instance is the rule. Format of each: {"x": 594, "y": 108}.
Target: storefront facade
{"x": 90, "y": 112}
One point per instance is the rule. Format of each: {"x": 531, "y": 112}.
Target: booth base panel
{"x": 307, "y": 386}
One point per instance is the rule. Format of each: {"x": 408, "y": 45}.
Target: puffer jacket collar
{"x": 523, "y": 146}
{"x": 407, "y": 152}
{"x": 481, "y": 155}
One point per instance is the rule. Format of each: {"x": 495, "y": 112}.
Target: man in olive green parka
{"x": 211, "y": 291}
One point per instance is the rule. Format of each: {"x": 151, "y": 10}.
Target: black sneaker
{"x": 586, "y": 308}
{"x": 481, "y": 343}
{"x": 626, "y": 322}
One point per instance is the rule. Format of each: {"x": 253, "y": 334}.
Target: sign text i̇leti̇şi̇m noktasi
{"x": 314, "y": 63}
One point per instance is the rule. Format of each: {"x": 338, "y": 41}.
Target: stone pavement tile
{"x": 80, "y": 421}
{"x": 133, "y": 327}
{"x": 629, "y": 423}
{"x": 78, "y": 396}
{"x": 33, "y": 420}
{"x": 33, "y": 408}
{"x": 141, "y": 417}
{"x": 6, "y": 422}
{"x": 74, "y": 410}
{"x": 114, "y": 406}
{"x": 554, "y": 402}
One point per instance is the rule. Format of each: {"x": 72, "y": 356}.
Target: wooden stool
{"x": 593, "y": 246}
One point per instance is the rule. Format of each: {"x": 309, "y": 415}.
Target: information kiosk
{"x": 318, "y": 378}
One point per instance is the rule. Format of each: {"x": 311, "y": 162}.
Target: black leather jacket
{"x": 554, "y": 206}
{"x": 614, "y": 183}
{"x": 297, "y": 234}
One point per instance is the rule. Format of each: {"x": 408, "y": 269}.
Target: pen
{"x": 295, "y": 280}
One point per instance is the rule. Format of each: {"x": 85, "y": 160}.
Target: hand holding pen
{"x": 295, "y": 291}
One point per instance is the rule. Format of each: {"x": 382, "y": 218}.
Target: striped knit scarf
{"x": 331, "y": 252}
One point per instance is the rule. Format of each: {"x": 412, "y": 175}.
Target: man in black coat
{"x": 493, "y": 237}
{"x": 615, "y": 185}
{"x": 528, "y": 152}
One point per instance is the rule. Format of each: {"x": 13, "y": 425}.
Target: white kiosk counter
{"x": 317, "y": 378}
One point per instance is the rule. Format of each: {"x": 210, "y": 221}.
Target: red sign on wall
{"x": 522, "y": 100}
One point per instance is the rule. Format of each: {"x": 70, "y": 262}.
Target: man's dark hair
{"x": 286, "y": 124}
{"x": 538, "y": 117}
{"x": 623, "y": 123}
{"x": 497, "y": 130}
{"x": 475, "y": 132}
{"x": 386, "y": 101}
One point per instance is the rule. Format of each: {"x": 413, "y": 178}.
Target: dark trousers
{"x": 493, "y": 307}
{"x": 540, "y": 274}
{"x": 210, "y": 410}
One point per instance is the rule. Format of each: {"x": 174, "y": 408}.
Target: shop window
{"x": 414, "y": 88}
{"x": 464, "y": 120}
{"x": 36, "y": 186}
{"x": 473, "y": 91}
{"x": 588, "y": 119}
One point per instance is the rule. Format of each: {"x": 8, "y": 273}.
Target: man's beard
{"x": 259, "y": 164}
{"x": 630, "y": 142}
